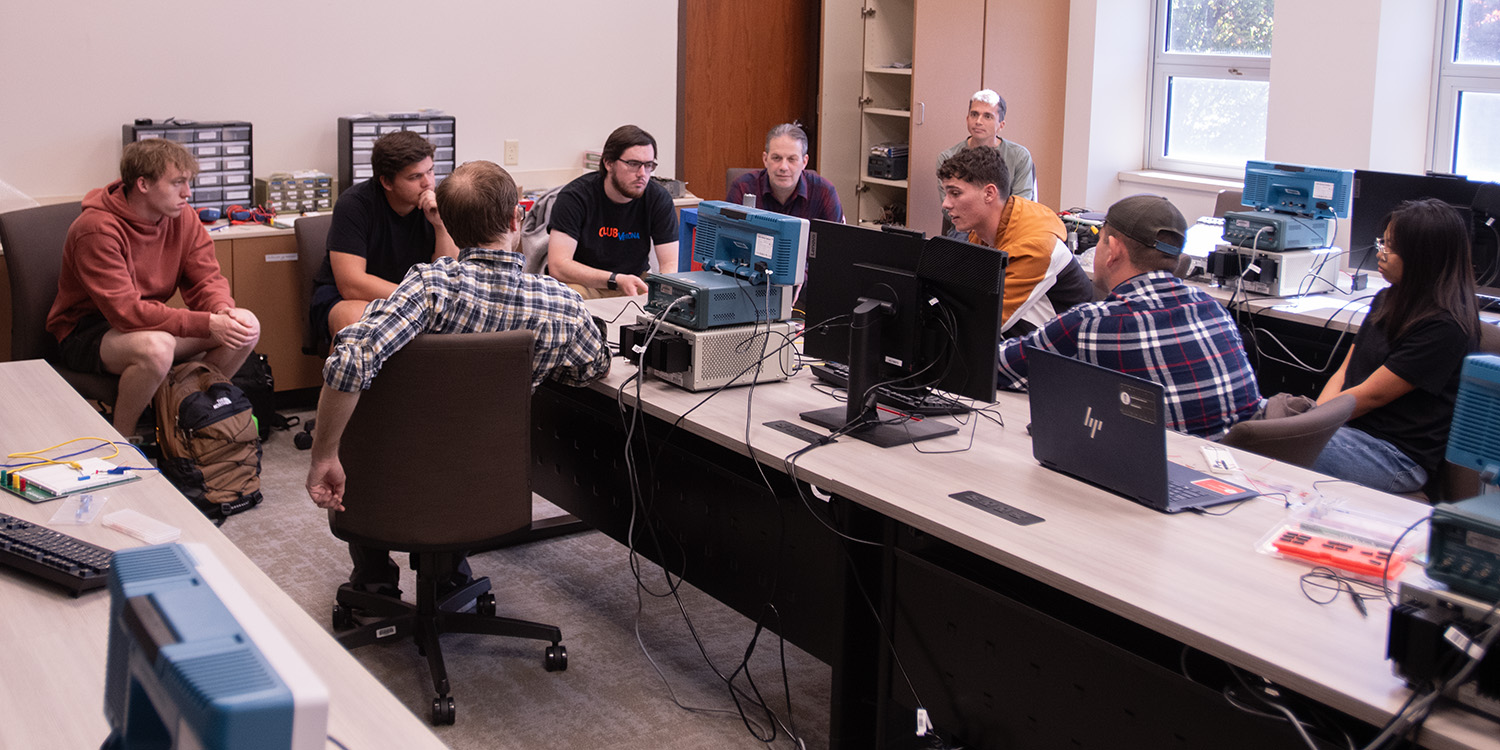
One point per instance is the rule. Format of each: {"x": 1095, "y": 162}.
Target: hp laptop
{"x": 1109, "y": 429}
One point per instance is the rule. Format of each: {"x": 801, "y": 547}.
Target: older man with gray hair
{"x": 786, "y": 185}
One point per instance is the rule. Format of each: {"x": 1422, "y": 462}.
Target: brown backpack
{"x": 209, "y": 447}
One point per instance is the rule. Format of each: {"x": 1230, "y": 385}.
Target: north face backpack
{"x": 209, "y": 447}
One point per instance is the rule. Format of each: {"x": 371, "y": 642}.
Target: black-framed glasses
{"x": 636, "y": 166}
{"x": 1381, "y": 248}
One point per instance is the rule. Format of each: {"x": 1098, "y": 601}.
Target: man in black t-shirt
{"x": 381, "y": 227}
{"x": 605, "y": 224}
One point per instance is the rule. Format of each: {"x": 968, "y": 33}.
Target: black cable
{"x": 673, "y": 587}
{"x": 1385, "y": 572}
{"x": 1319, "y": 578}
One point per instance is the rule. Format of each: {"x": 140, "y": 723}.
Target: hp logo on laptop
{"x": 1094, "y": 425}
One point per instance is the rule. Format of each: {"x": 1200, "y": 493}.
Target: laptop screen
{"x": 1098, "y": 424}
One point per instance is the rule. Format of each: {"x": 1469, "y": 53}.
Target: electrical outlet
{"x": 512, "y": 153}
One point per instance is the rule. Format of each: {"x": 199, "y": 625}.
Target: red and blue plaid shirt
{"x": 1154, "y": 326}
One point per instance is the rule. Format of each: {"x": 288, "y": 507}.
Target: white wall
{"x": 557, "y": 76}
{"x": 1109, "y": 89}
{"x": 1356, "y": 99}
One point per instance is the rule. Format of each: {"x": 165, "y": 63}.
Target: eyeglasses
{"x": 1381, "y": 248}
{"x": 636, "y": 166}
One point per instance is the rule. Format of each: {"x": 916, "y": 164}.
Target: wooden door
{"x": 746, "y": 67}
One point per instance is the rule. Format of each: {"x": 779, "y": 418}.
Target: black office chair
{"x": 734, "y": 173}
{"x": 1454, "y": 482}
{"x": 1295, "y": 439}
{"x": 312, "y": 247}
{"x": 442, "y": 406}
{"x": 1229, "y": 200}
{"x": 33, "y": 242}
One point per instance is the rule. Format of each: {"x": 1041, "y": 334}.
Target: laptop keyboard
{"x": 1178, "y": 494}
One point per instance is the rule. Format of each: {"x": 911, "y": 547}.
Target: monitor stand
{"x": 860, "y": 410}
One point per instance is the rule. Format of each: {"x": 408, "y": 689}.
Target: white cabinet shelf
{"x": 865, "y": 102}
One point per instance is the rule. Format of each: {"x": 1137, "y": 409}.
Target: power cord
{"x": 639, "y": 504}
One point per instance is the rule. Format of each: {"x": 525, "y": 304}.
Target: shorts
{"x": 324, "y": 297}
{"x": 79, "y": 350}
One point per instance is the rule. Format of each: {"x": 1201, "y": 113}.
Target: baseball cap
{"x": 1150, "y": 220}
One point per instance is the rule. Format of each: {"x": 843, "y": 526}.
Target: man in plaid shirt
{"x": 483, "y": 290}
{"x": 1151, "y": 325}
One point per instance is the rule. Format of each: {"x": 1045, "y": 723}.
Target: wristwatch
{"x": 611, "y": 282}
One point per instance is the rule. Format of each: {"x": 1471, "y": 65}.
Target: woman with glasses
{"x": 1403, "y": 367}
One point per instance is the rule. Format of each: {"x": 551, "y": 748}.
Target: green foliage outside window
{"x": 1222, "y": 27}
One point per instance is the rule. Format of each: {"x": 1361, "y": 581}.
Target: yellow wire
{"x": 52, "y": 461}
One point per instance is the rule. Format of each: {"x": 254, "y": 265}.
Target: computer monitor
{"x": 901, "y": 312}
{"x": 750, "y": 243}
{"x": 830, "y": 292}
{"x": 1377, "y": 194}
{"x": 193, "y": 663}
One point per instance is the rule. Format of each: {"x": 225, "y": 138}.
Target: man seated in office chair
{"x": 1151, "y": 324}
{"x": 786, "y": 185}
{"x": 606, "y": 223}
{"x": 484, "y": 289}
{"x": 985, "y": 121}
{"x": 1043, "y": 278}
{"x": 381, "y": 227}
{"x": 133, "y": 247}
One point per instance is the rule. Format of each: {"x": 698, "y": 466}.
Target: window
{"x": 1468, "y": 102}
{"x": 1210, "y": 85}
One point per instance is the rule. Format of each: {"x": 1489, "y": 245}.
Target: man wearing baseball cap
{"x": 1151, "y": 325}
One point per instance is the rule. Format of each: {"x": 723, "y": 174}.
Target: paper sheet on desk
{"x": 1316, "y": 302}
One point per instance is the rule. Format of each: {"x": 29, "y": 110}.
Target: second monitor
{"x": 902, "y": 313}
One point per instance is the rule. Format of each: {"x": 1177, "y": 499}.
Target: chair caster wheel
{"x": 442, "y": 710}
{"x": 304, "y": 439}
{"x": 485, "y": 605}
{"x": 555, "y": 658}
{"x": 343, "y": 619}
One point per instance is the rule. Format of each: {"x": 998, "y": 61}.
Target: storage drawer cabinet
{"x": 357, "y": 136}
{"x": 224, "y": 157}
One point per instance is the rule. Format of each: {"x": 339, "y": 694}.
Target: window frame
{"x": 1453, "y": 80}
{"x": 1166, "y": 65}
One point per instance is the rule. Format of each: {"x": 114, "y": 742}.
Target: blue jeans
{"x": 1358, "y": 457}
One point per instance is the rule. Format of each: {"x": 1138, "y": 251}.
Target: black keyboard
{"x": 922, "y": 403}
{"x": 71, "y": 563}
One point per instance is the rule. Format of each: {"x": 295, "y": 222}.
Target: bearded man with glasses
{"x": 605, "y": 224}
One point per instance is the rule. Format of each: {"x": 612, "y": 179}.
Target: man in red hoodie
{"x": 125, "y": 256}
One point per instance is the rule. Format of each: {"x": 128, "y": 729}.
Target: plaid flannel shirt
{"x": 484, "y": 290}
{"x": 1153, "y": 326}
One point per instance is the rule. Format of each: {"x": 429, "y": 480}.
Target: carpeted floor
{"x": 609, "y": 697}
